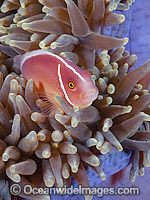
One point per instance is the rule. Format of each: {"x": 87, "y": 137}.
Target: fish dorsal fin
{"x": 87, "y": 72}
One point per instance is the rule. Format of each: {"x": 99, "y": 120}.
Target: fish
{"x": 55, "y": 75}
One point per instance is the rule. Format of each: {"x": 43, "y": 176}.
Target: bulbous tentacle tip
{"x": 103, "y": 176}
{"x": 25, "y": 26}
{"x": 128, "y": 109}
{"x": 88, "y": 197}
{"x": 134, "y": 56}
{"x": 67, "y": 1}
{"x": 122, "y": 18}
{"x": 11, "y": 43}
{"x": 3, "y": 9}
{"x": 125, "y": 41}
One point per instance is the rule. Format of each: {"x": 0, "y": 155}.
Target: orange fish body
{"x": 54, "y": 75}
{"x": 43, "y": 72}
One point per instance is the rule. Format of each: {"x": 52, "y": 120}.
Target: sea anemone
{"x": 118, "y": 4}
{"x": 52, "y": 148}
{"x": 128, "y": 101}
{"x": 70, "y": 29}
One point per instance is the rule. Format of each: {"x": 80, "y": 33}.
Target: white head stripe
{"x": 43, "y": 52}
{"x": 62, "y": 86}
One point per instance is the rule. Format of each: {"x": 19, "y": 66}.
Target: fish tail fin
{"x": 18, "y": 61}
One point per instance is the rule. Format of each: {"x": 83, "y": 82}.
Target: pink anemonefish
{"x": 54, "y": 75}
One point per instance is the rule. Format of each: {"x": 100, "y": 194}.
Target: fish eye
{"x": 71, "y": 84}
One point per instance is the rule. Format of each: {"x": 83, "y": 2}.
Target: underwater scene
{"x": 74, "y": 99}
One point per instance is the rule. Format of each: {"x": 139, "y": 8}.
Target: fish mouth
{"x": 90, "y": 97}
{"x": 90, "y": 93}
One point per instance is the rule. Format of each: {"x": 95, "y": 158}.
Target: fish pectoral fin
{"x": 48, "y": 106}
